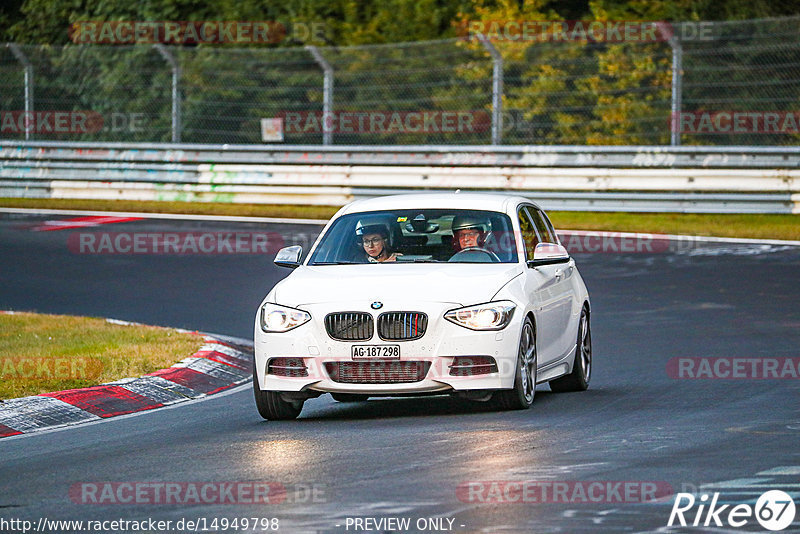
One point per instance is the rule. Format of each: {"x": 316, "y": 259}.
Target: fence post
{"x": 28, "y": 121}
{"x": 677, "y": 74}
{"x": 327, "y": 93}
{"x": 176, "y": 97}
{"x": 497, "y": 90}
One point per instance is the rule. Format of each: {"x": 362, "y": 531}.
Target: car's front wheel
{"x": 271, "y": 406}
{"x": 578, "y": 379}
{"x": 521, "y": 396}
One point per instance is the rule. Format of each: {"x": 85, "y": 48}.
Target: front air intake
{"x": 291, "y": 367}
{"x": 473, "y": 366}
{"x": 377, "y": 372}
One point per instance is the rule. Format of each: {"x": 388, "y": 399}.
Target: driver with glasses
{"x": 469, "y": 232}
{"x": 374, "y": 239}
{"x": 470, "y": 236}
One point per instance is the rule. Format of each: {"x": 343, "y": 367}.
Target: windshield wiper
{"x": 337, "y": 263}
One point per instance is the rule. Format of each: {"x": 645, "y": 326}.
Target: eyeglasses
{"x": 468, "y": 233}
{"x": 371, "y": 242}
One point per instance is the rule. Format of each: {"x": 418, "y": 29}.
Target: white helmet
{"x": 367, "y": 227}
{"x": 462, "y": 222}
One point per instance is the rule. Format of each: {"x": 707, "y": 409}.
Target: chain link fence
{"x": 724, "y": 83}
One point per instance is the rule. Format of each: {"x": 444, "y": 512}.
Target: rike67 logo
{"x": 774, "y": 510}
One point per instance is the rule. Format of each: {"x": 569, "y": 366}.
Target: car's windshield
{"x": 418, "y": 236}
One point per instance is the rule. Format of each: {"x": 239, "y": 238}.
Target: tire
{"x": 271, "y": 406}
{"x": 349, "y": 397}
{"x": 521, "y": 396}
{"x": 578, "y": 379}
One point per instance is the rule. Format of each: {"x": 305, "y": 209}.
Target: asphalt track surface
{"x": 408, "y": 457}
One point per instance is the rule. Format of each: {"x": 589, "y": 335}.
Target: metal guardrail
{"x": 476, "y": 155}
{"x": 683, "y": 179}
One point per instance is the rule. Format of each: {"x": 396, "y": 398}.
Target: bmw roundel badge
{"x": 377, "y": 305}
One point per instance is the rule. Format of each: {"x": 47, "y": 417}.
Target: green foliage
{"x": 353, "y": 22}
{"x": 693, "y": 10}
{"x": 564, "y": 93}
{"x": 342, "y": 22}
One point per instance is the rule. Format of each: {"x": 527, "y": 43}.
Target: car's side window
{"x": 529, "y": 236}
{"x": 548, "y": 236}
{"x": 550, "y": 226}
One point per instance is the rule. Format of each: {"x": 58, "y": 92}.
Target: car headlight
{"x": 276, "y": 318}
{"x": 489, "y": 316}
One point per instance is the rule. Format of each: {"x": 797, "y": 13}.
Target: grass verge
{"x": 194, "y": 208}
{"x": 751, "y": 225}
{"x": 758, "y": 226}
{"x": 42, "y": 353}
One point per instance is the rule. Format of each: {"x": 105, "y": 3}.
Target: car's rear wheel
{"x": 520, "y": 397}
{"x": 578, "y": 379}
{"x": 271, "y": 406}
{"x": 349, "y": 397}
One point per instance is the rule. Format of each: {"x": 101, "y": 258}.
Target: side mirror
{"x": 548, "y": 254}
{"x": 289, "y": 257}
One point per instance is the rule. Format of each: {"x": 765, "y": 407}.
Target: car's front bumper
{"x": 442, "y": 342}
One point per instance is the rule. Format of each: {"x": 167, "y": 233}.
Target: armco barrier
{"x": 684, "y": 179}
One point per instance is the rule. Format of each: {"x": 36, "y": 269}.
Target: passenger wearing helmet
{"x": 469, "y": 232}
{"x": 375, "y": 241}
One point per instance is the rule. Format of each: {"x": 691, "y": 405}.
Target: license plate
{"x": 367, "y": 352}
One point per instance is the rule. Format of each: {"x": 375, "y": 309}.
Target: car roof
{"x": 471, "y": 201}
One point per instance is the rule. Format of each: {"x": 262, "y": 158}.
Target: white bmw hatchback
{"x": 467, "y": 294}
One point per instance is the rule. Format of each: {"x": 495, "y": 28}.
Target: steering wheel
{"x": 464, "y": 252}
